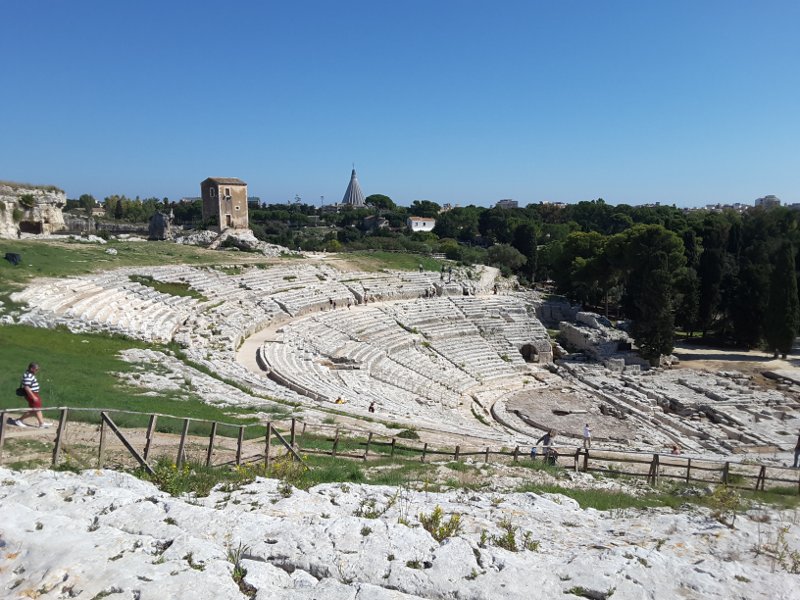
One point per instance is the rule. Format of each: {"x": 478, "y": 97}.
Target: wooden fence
{"x": 226, "y": 444}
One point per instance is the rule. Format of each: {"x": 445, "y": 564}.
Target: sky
{"x": 455, "y": 101}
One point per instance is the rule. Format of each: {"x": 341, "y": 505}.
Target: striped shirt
{"x": 29, "y": 380}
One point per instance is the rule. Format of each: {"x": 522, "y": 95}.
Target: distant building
{"x": 507, "y": 203}
{"x": 353, "y": 196}
{"x": 253, "y": 202}
{"x": 420, "y": 223}
{"x": 768, "y": 201}
{"x": 225, "y": 201}
{"x": 373, "y": 222}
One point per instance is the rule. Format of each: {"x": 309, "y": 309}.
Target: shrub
{"x": 27, "y": 201}
{"x": 435, "y": 525}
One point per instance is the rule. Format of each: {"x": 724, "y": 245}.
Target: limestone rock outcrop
{"x": 30, "y": 209}
{"x": 102, "y": 533}
{"x": 594, "y": 335}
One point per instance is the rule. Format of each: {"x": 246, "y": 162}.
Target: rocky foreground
{"x": 107, "y": 534}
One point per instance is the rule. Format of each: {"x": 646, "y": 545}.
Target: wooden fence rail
{"x": 345, "y": 443}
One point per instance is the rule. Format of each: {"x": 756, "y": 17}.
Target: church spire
{"x": 353, "y": 196}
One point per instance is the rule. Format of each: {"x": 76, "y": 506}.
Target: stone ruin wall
{"x": 44, "y": 216}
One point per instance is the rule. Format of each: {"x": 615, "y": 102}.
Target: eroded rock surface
{"x": 102, "y": 533}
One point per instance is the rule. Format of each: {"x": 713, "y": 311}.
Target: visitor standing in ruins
{"x": 587, "y": 436}
{"x": 29, "y": 386}
{"x": 547, "y": 441}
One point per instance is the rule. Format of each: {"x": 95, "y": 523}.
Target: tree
{"x": 525, "y": 242}
{"x": 651, "y": 259}
{"x": 710, "y": 269}
{"x": 653, "y": 329}
{"x": 506, "y": 257}
{"x": 783, "y": 310}
{"x": 459, "y": 223}
{"x": 424, "y": 208}
{"x": 119, "y": 210}
{"x": 380, "y": 202}
{"x": 87, "y": 203}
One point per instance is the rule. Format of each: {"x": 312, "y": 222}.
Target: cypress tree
{"x": 783, "y": 310}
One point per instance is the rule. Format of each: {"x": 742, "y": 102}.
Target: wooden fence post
{"x": 212, "y": 437}
{"x": 457, "y": 453}
{"x": 762, "y": 475}
{"x": 652, "y": 476}
{"x": 151, "y": 432}
{"x": 585, "y": 460}
{"x": 239, "y": 442}
{"x": 2, "y": 433}
{"x": 268, "y": 444}
{"x": 725, "y": 473}
{"x": 424, "y": 451}
{"x": 335, "y": 443}
{"x": 102, "y": 445}
{"x": 292, "y": 437}
{"x": 688, "y": 470}
{"x": 142, "y": 462}
{"x": 486, "y": 456}
{"x": 182, "y": 445}
{"x": 62, "y": 426}
{"x": 391, "y": 454}
{"x": 366, "y": 450}
{"x": 516, "y": 454}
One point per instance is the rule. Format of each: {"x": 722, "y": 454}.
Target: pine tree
{"x": 783, "y": 310}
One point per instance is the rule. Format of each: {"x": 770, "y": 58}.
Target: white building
{"x": 420, "y": 224}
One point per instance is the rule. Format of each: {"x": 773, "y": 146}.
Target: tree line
{"x": 727, "y": 275}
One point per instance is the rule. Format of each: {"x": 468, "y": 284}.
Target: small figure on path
{"x": 371, "y": 407}
{"x": 548, "y": 451}
{"x": 797, "y": 453}
{"x": 587, "y": 436}
{"x": 675, "y": 450}
{"x": 30, "y": 388}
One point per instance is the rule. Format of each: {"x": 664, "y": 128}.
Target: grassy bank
{"x": 79, "y": 370}
{"x": 399, "y": 261}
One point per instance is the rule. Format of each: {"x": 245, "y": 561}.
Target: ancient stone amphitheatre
{"x": 436, "y": 351}
{"x": 463, "y": 356}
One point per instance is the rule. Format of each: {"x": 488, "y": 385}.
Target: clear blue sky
{"x": 684, "y": 102}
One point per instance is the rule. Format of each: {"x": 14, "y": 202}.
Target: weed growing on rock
{"x": 591, "y": 594}
{"x": 435, "y": 525}
{"x": 508, "y": 538}
{"x": 235, "y": 556}
{"x": 285, "y": 489}
{"x": 365, "y": 531}
{"x": 189, "y": 558}
{"x": 725, "y": 503}
{"x": 369, "y": 508}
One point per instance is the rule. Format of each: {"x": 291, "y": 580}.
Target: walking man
{"x": 587, "y": 436}
{"x": 30, "y": 386}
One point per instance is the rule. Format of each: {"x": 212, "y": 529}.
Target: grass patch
{"x": 397, "y": 261}
{"x": 173, "y": 289}
{"x": 66, "y": 380}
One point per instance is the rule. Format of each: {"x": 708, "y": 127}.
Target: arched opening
{"x": 30, "y": 227}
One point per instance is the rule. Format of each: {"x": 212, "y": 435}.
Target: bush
{"x": 27, "y": 201}
{"x": 434, "y": 524}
